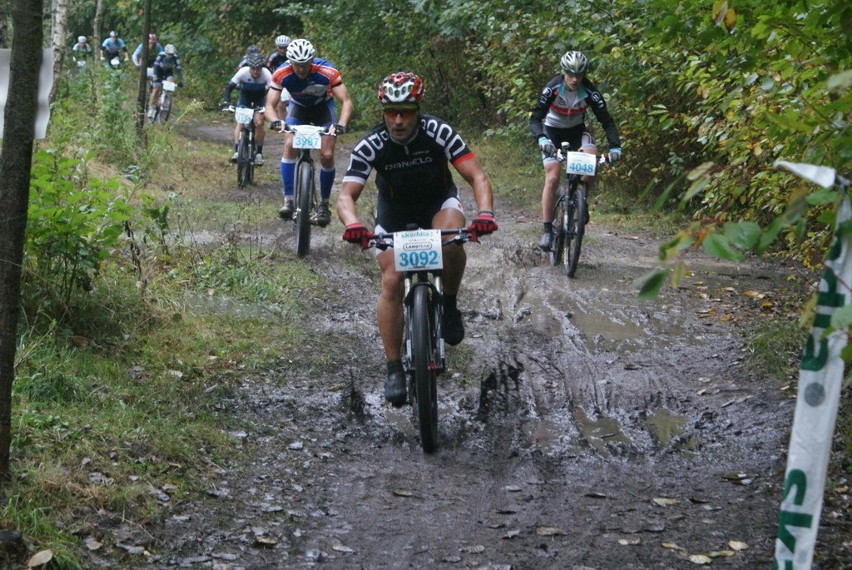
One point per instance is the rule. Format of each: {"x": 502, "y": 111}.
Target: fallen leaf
{"x": 664, "y": 502}
{"x": 721, "y": 553}
{"x": 629, "y": 541}
{"x": 549, "y": 531}
{"x": 40, "y": 558}
{"x": 342, "y": 548}
{"x": 700, "y": 559}
{"x": 510, "y": 534}
{"x": 91, "y": 543}
{"x": 673, "y": 546}
{"x": 737, "y": 545}
{"x": 474, "y": 549}
{"x": 265, "y": 541}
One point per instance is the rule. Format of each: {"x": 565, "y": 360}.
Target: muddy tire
{"x": 245, "y": 164}
{"x": 576, "y": 231}
{"x": 560, "y": 226}
{"x": 423, "y": 361}
{"x": 304, "y": 196}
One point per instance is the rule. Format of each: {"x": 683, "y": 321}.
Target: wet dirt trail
{"x": 579, "y": 427}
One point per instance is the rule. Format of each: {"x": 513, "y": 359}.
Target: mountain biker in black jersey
{"x": 411, "y": 154}
{"x": 559, "y": 116}
{"x": 277, "y": 58}
{"x": 166, "y": 64}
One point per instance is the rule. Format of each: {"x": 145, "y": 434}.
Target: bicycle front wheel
{"x": 304, "y": 197}
{"x": 423, "y": 361}
{"x": 576, "y": 230}
{"x": 560, "y": 225}
{"x": 244, "y": 164}
{"x": 165, "y": 107}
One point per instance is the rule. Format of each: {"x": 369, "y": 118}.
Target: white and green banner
{"x": 820, "y": 380}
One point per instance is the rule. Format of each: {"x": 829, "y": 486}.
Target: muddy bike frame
{"x": 570, "y": 211}
{"x": 246, "y": 146}
{"x": 419, "y": 257}
{"x": 305, "y": 139}
{"x": 163, "y": 108}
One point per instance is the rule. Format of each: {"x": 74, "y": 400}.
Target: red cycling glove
{"x": 482, "y": 225}
{"x": 357, "y": 233}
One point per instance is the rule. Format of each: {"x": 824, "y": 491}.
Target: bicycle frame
{"x": 419, "y": 257}
{"x": 305, "y": 139}
{"x": 570, "y": 211}
{"x": 246, "y": 147}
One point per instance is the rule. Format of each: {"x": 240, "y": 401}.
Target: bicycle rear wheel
{"x": 165, "y": 107}
{"x": 423, "y": 361}
{"x": 576, "y": 230}
{"x": 560, "y": 224}
{"x": 243, "y": 161}
{"x": 304, "y": 197}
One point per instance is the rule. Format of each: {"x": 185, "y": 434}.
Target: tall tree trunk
{"x": 143, "y": 74}
{"x": 4, "y": 24}
{"x": 97, "y": 38}
{"x": 15, "y": 167}
{"x": 59, "y": 31}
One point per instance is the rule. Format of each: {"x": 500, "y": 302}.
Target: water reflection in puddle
{"x": 599, "y": 431}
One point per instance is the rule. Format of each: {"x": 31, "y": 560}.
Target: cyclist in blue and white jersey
{"x": 112, "y": 48}
{"x": 313, "y": 85}
{"x": 253, "y": 82}
{"x": 167, "y": 64}
{"x": 411, "y": 155}
{"x": 559, "y": 116}
{"x": 154, "y": 49}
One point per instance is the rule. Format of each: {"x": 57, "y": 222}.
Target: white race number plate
{"x": 243, "y": 115}
{"x": 306, "y": 136}
{"x": 580, "y": 163}
{"x": 169, "y": 85}
{"x": 417, "y": 250}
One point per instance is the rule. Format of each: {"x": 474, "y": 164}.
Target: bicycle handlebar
{"x": 384, "y": 240}
{"x": 288, "y": 128}
{"x": 602, "y": 158}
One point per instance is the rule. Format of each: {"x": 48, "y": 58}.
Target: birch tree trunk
{"x": 59, "y": 31}
{"x": 15, "y": 166}
{"x": 96, "y": 31}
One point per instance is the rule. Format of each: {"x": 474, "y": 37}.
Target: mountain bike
{"x": 305, "y": 138}
{"x": 247, "y": 145}
{"x": 163, "y": 108}
{"x": 571, "y": 211}
{"x": 418, "y": 254}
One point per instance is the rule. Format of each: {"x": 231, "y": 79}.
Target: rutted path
{"x": 579, "y": 426}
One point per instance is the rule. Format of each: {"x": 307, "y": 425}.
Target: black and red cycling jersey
{"x": 413, "y": 173}
{"x": 559, "y": 108}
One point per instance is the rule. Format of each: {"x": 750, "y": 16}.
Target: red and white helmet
{"x": 401, "y": 87}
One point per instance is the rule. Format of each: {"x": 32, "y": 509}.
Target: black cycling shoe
{"x": 546, "y": 241}
{"x": 395, "y": 391}
{"x": 453, "y": 326}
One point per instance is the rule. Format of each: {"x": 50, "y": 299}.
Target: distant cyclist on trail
{"x": 112, "y": 47}
{"x": 559, "y": 116}
{"x": 411, "y": 154}
{"x": 154, "y": 49}
{"x": 167, "y": 64}
{"x": 253, "y": 82}
{"x": 279, "y": 57}
{"x": 81, "y": 52}
{"x": 313, "y": 84}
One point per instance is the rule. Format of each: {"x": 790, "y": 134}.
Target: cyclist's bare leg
{"x": 589, "y": 180}
{"x": 259, "y": 131}
{"x": 389, "y": 308}
{"x": 155, "y": 95}
{"x": 552, "y": 171}
{"x": 327, "y": 152}
{"x": 455, "y": 258}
